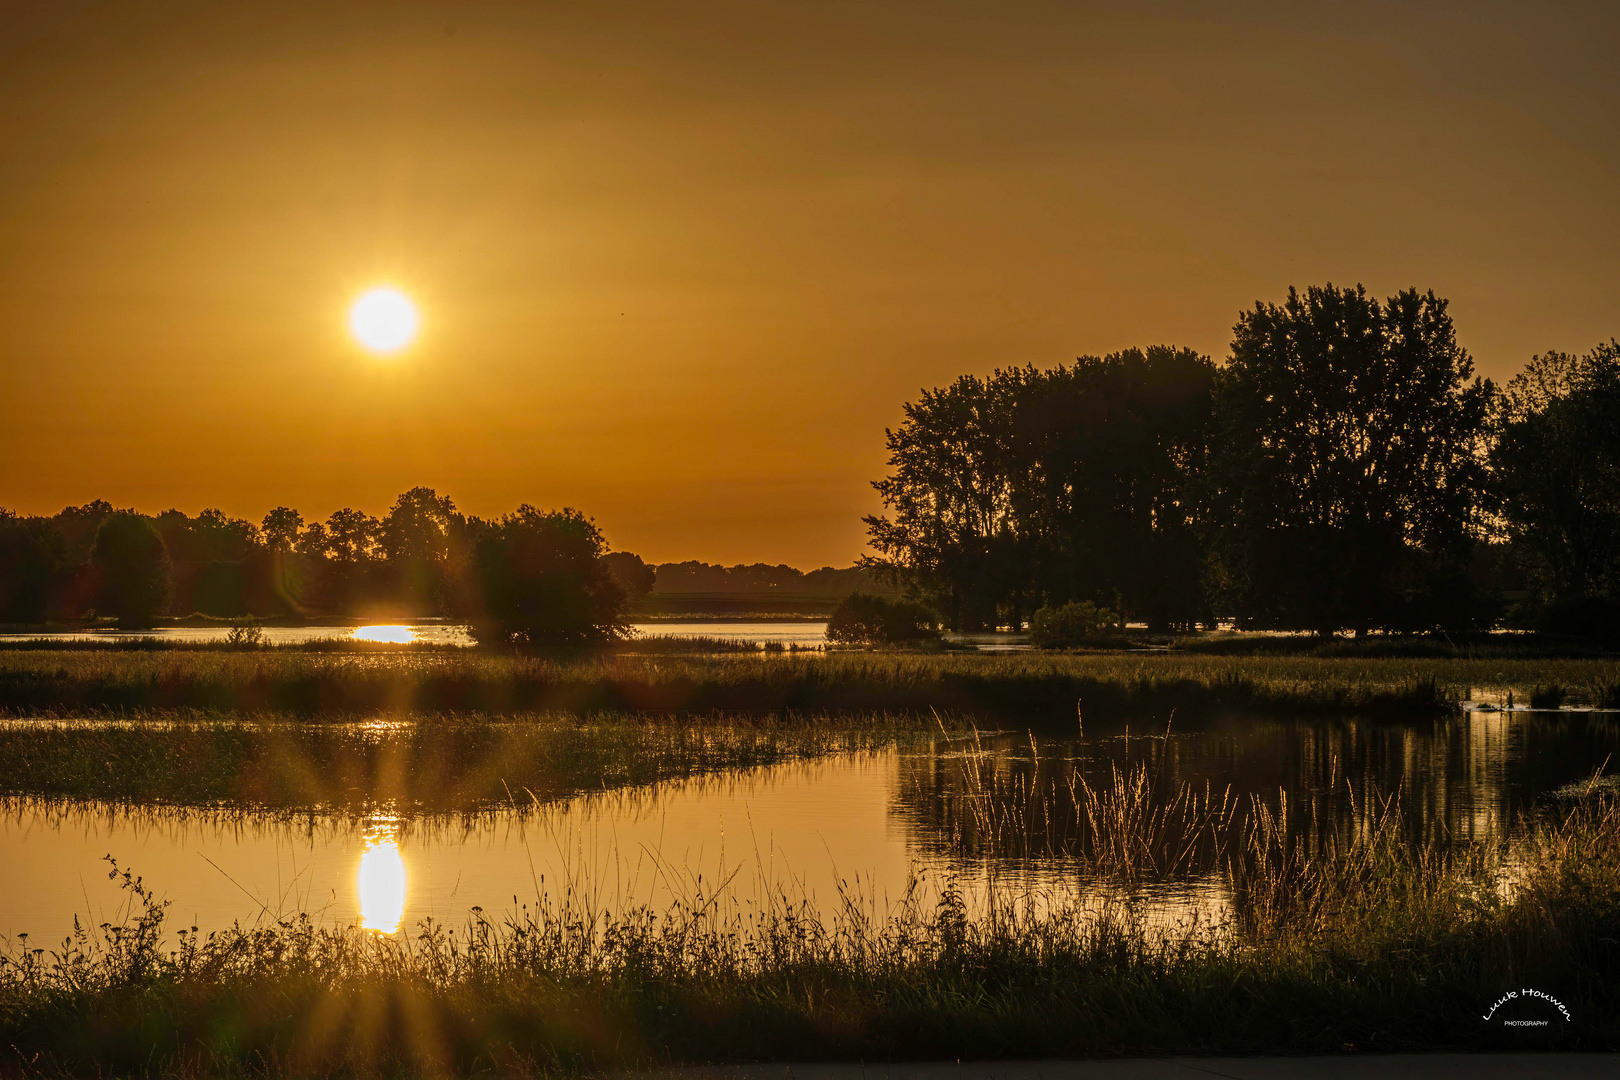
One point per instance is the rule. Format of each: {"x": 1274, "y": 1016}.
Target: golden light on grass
{"x": 382, "y": 883}
{"x": 383, "y": 320}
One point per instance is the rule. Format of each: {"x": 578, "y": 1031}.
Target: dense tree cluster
{"x": 1557, "y": 466}
{"x": 1034, "y": 488}
{"x": 1343, "y": 469}
{"x": 538, "y": 578}
{"x": 423, "y": 557}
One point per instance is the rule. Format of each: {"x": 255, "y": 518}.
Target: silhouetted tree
{"x": 635, "y": 577}
{"x": 536, "y": 577}
{"x": 1111, "y": 455}
{"x": 132, "y": 570}
{"x": 1350, "y": 462}
{"x": 313, "y": 541}
{"x": 415, "y": 537}
{"x": 351, "y": 537}
{"x": 953, "y": 537}
{"x": 346, "y": 548}
{"x": 281, "y": 529}
{"x": 213, "y": 559}
{"x": 863, "y": 619}
{"x": 1556, "y": 471}
{"x": 1034, "y": 487}
{"x": 77, "y": 526}
{"x": 32, "y": 556}
{"x": 418, "y": 526}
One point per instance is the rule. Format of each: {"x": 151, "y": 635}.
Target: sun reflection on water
{"x": 394, "y": 635}
{"x": 382, "y": 878}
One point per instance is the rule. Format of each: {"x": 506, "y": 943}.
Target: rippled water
{"x": 992, "y": 812}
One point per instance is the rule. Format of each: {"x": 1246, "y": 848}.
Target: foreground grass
{"x": 1026, "y": 687}
{"x": 1366, "y": 943}
{"x": 409, "y": 765}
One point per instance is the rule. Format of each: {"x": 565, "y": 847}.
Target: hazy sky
{"x": 679, "y": 265}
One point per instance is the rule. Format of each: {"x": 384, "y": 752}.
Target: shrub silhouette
{"x": 862, "y": 619}
{"x": 1072, "y": 624}
{"x": 132, "y": 570}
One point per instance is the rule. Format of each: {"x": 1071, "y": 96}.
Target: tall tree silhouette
{"x": 132, "y": 570}
{"x": 1110, "y": 456}
{"x": 1041, "y": 487}
{"x": 953, "y": 539}
{"x": 418, "y": 526}
{"x": 1350, "y": 461}
{"x": 32, "y": 558}
{"x": 1556, "y": 471}
{"x": 416, "y": 537}
{"x": 281, "y": 528}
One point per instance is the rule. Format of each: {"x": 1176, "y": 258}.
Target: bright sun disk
{"x": 383, "y": 320}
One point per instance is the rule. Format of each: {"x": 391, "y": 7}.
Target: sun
{"x": 383, "y": 320}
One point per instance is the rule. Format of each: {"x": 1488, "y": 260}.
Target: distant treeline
{"x": 421, "y": 558}
{"x": 763, "y": 579}
{"x": 413, "y": 560}
{"x": 1342, "y": 469}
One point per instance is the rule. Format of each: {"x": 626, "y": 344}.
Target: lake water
{"x": 805, "y": 633}
{"x": 992, "y": 813}
{"x": 797, "y": 631}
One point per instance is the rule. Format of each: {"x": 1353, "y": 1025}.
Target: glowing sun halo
{"x": 383, "y": 320}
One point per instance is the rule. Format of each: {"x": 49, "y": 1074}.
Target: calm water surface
{"x": 992, "y": 812}
{"x": 796, "y": 631}
{"x": 801, "y": 632}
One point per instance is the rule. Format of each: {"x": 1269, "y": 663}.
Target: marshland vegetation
{"x": 1027, "y": 688}
{"x": 406, "y": 765}
{"x": 1362, "y": 940}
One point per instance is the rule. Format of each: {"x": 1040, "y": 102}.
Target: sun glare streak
{"x": 395, "y": 635}
{"x": 383, "y": 320}
{"x": 382, "y": 881}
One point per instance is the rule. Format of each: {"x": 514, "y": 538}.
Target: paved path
{"x": 1344, "y": 1067}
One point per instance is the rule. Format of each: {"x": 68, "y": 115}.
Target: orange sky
{"x": 680, "y": 270}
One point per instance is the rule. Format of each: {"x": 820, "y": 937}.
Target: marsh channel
{"x": 982, "y": 814}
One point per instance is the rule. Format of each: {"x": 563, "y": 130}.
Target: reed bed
{"x": 1368, "y": 944}
{"x": 1027, "y": 687}
{"x": 406, "y": 765}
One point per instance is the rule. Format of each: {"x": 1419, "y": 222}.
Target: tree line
{"x": 545, "y": 575}
{"x": 1343, "y": 468}
{"x": 762, "y": 579}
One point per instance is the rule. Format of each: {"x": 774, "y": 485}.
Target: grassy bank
{"x": 1025, "y": 687}
{"x": 410, "y": 765}
{"x": 1366, "y": 943}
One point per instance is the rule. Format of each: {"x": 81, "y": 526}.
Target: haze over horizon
{"x": 680, "y": 271}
